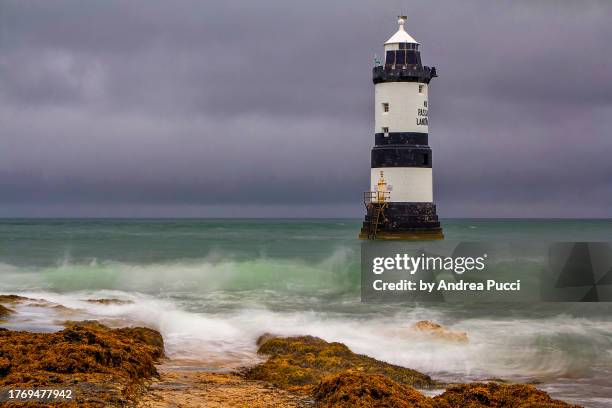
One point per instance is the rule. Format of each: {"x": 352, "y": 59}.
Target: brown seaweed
{"x": 104, "y": 366}
{"x": 303, "y": 361}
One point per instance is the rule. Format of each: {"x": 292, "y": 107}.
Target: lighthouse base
{"x": 401, "y": 221}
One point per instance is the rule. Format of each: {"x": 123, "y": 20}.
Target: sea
{"x": 212, "y": 286}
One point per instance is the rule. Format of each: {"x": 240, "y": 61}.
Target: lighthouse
{"x": 400, "y": 202}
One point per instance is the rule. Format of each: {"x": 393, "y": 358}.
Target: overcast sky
{"x": 265, "y": 108}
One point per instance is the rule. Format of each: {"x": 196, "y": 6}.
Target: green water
{"x": 44, "y": 242}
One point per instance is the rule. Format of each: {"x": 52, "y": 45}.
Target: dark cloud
{"x": 223, "y": 108}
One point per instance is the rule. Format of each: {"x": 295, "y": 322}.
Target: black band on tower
{"x": 408, "y": 217}
{"x": 401, "y": 138}
{"x": 412, "y": 215}
{"x": 401, "y": 156}
{"x": 406, "y": 73}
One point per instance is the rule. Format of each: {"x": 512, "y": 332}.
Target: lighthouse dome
{"x": 401, "y": 50}
{"x": 401, "y": 36}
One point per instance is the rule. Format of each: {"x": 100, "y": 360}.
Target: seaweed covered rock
{"x": 438, "y": 332}
{"x": 480, "y": 395}
{"x": 5, "y": 311}
{"x": 111, "y": 301}
{"x": 264, "y": 338}
{"x": 350, "y": 389}
{"x": 9, "y": 300}
{"x": 104, "y": 366}
{"x": 147, "y": 336}
{"x": 87, "y": 324}
{"x": 12, "y": 299}
{"x": 337, "y": 377}
{"x": 302, "y": 362}
{"x": 141, "y": 334}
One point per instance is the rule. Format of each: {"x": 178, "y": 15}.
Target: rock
{"x": 350, "y": 389}
{"x": 477, "y": 395}
{"x": 358, "y": 390}
{"x": 12, "y": 299}
{"x": 110, "y": 301}
{"x": 147, "y": 336}
{"x": 299, "y": 363}
{"x": 141, "y": 334}
{"x": 264, "y": 338}
{"x": 105, "y": 367}
{"x": 5, "y": 311}
{"x": 337, "y": 377}
{"x": 15, "y": 299}
{"x": 88, "y": 324}
{"x": 439, "y": 332}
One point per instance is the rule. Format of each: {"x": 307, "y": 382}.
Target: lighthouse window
{"x": 385, "y": 130}
{"x": 407, "y": 46}
{"x": 385, "y": 107}
{"x": 411, "y": 58}
{"x": 421, "y": 89}
{"x": 390, "y": 59}
{"x": 400, "y": 57}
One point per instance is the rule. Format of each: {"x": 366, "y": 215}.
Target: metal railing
{"x": 414, "y": 71}
{"x": 376, "y": 197}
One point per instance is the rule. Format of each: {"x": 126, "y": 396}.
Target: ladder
{"x": 375, "y": 203}
{"x": 377, "y": 212}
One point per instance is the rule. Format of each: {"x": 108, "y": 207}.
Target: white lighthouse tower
{"x": 400, "y": 203}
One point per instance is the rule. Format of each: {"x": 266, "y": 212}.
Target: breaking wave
{"x": 339, "y": 272}
{"x": 522, "y": 348}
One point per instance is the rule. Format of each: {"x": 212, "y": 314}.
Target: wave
{"x": 508, "y": 348}
{"x": 339, "y": 272}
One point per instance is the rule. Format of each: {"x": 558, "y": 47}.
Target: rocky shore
{"x": 126, "y": 367}
{"x": 300, "y": 363}
{"x": 334, "y": 376}
{"x": 100, "y": 366}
